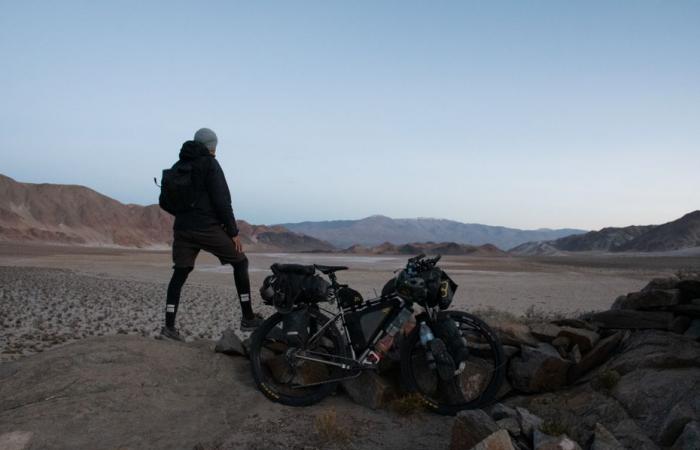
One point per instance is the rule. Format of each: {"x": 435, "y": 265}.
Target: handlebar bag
{"x": 439, "y": 288}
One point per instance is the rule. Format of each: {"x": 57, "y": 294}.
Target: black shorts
{"x": 188, "y": 243}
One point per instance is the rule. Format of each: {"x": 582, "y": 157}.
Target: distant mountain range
{"x": 376, "y": 230}
{"x": 431, "y": 248}
{"x": 680, "y": 234}
{"x": 70, "y": 214}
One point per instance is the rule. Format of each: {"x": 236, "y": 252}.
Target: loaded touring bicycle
{"x": 451, "y": 359}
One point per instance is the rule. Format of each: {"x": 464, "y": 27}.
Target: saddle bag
{"x": 292, "y": 285}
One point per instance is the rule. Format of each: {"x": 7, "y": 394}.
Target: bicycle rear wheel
{"x": 474, "y": 387}
{"x": 281, "y": 375}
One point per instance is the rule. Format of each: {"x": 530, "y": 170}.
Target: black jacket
{"x": 213, "y": 198}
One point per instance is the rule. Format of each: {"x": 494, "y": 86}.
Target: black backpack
{"x": 177, "y": 190}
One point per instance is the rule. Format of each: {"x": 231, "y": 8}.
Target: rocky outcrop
{"x": 470, "y": 428}
{"x": 624, "y": 378}
{"x": 689, "y": 438}
{"x": 500, "y": 440}
{"x": 633, "y": 320}
{"x": 538, "y": 369}
{"x": 370, "y": 390}
{"x": 604, "y": 439}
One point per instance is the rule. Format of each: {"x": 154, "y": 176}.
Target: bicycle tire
{"x": 408, "y": 375}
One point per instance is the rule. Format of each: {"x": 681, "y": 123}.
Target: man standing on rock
{"x": 196, "y": 193}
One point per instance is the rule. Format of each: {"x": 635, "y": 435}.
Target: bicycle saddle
{"x": 329, "y": 269}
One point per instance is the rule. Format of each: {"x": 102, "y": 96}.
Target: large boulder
{"x": 650, "y": 299}
{"x": 470, "y": 428}
{"x": 544, "y": 441}
{"x": 585, "y": 339}
{"x": 679, "y": 324}
{"x": 690, "y": 289}
{"x": 369, "y": 389}
{"x": 562, "y": 344}
{"x": 693, "y": 330}
{"x": 662, "y": 283}
{"x": 649, "y": 395}
{"x": 513, "y": 333}
{"x": 574, "y": 323}
{"x": 631, "y": 436}
{"x": 655, "y": 350}
{"x": 230, "y": 344}
{"x": 500, "y": 411}
{"x": 538, "y": 369}
{"x": 545, "y": 332}
{"x": 511, "y": 425}
{"x": 529, "y": 422}
{"x": 689, "y": 438}
{"x": 630, "y": 319}
{"x": 691, "y": 310}
{"x": 604, "y": 439}
{"x": 680, "y": 415}
{"x": 597, "y": 356}
{"x": 500, "y": 440}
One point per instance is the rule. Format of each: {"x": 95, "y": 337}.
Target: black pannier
{"x": 291, "y": 285}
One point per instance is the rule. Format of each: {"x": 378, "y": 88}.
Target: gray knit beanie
{"x": 206, "y": 137}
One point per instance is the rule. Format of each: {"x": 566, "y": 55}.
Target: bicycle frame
{"x": 355, "y": 362}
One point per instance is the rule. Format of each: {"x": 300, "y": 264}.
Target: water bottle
{"x": 426, "y": 335}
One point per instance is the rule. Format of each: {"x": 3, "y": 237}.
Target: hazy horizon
{"x": 524, "y": 115}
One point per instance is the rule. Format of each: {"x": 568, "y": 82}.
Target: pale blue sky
{"x": 526, "y": 113}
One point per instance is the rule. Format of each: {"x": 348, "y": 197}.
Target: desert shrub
{"x": 492, "y": 315}
{"x": 533, "y": 314}
{"x": 554, "y": 428}
{"x": 407, "y": 405}
{"x": 328, "y": 429}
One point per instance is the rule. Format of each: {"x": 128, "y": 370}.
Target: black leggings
{"x": 240, "y": 278}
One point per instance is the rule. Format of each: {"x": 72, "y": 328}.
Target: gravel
{"x": 43, "y": 308}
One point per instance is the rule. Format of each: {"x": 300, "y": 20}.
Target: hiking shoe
{"x": 251, "y": 324}
{"x": 171, "y": 333}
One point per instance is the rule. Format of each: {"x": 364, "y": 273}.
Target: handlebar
{"x": 419, "y": 264}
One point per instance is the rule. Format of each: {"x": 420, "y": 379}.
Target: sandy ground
{"x": 126, "y": 392}
{"x": 50, "y": 295}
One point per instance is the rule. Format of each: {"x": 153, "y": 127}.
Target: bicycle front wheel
{"x": 473, "y": 387}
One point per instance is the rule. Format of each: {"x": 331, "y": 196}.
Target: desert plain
{"x": 52, "y": 295}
